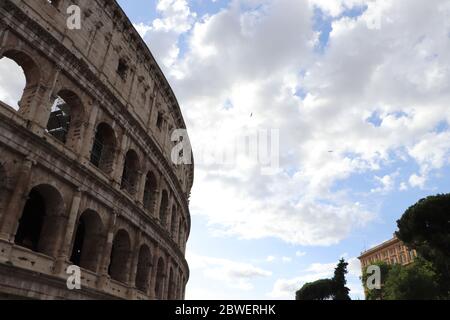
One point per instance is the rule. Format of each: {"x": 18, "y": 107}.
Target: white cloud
{"x": 417, "y": 181}
{"x": 237, "y": 275}
{"x": 12, "y": 82}
{"x": 162, "y": 34}
{"x": 300, "y": 254}
{"x": 387, "y": 183}
{"x": 252, "y": 58}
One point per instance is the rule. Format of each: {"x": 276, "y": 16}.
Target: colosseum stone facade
{"x": 86, "y": 176}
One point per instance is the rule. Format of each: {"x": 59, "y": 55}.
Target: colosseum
{"x": 86, "y": 176}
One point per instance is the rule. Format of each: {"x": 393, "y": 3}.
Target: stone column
{"x": 169, "y": 214}
{"x": 119, "y": 162}
{"x": 141, "y": 187}
{"x": 42, "y": 104}
{"x": 89, "y": 134}
{"x": 152, "y": 276}
{"x": 134, "y": 260}
{"x": 10, "y": 223}
{"x": 107, "y": 247}
{"x": 65, "y": 246}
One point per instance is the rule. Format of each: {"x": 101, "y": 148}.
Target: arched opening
{"x": 174, "y": 222}
{"x": 143, "y": 268}
{"x": 66, "y": 117}
{"x": 171, "y": 292}
{"x": 12, "y": 82}
{"x": 163, "y": 208}
{"x": 150, "y": 192}
{"x": 40, "y": 222}
{"x": 120, "y": 254}
{"x": 103, "y": 148}
{"x": 87, "y": 246}
{"x": 130, "y": 172}
{"x": 160, "y": 277}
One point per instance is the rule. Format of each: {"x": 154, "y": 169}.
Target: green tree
{"x": 416, "y": 281}
{"x": 327, "y": 289}
{"x": 425, "y": 227}
{"x": 340, "y": 292}
{"x": 318, "y": 290}
{"x": 376, "y": 294}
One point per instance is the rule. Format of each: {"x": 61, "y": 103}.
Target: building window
{"x": 120, "y": 255}
{"x": 143, "y": 268}
{"x": 122, "y": 68}
{"x": 103, "y": 148}
{"x": 159, "y": 121}
{"x": 39, "y": 224}
{"x": 89, "y": 237}
{"x": 130, "y": 172}
{"x": 22, "y": 67}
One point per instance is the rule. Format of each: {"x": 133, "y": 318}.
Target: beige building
{"x": 392, "y": 251}
{"x": 86, "y": 176}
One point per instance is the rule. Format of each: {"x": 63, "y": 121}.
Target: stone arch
{"x": 143, "y": 268}
{"x": 150, "y": 190}
{"x": 163, "y": 208}
{"x": 88, "y": 241}
{"x": 66, "y": 117}
{"x": 32, "y": 76}
{"x": 131, "y": 169}
{"x": 104, "y": 147}
{"x": 120, "y": 256}
{"x": 40, "y": 223}
{"x": 160, "y": 277}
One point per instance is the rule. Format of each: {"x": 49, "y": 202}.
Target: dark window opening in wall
{"x": 143, "y": 269}
{"x": 66, "y": 118}
{"x": 130, "y": 172}
{"x": 122, "y": 69}
{"x": 78, "y": 243}
{"x": 120, "y": 253}
{"x": 59, "y": 123}
{"x": 163, "y": 208}
{"x": 103, "y": 148}
{"x": 30, "y": 224}
{"x": 41, "y": 219}
{"x": 12, "y": 86}
{"x": 88, "y": 241}
{"x": 160, "y": 276}
{"x": 171, "y": 291}
{"x": 149, "y": 192}
{"x": 159, "y": 121}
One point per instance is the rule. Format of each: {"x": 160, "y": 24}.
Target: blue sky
{"x": 357, "y": 92}
{"x": 361, "y": 111}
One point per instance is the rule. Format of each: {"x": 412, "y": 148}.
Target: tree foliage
{"x": 376, "y": 294}
{"x": 416, "y": 281}
{"x": 425, "y": 227}
{"x": 327, "y": 289}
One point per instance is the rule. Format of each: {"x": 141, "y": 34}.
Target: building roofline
{"x": 379, "y": 246}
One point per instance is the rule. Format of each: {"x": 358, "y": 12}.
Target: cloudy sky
{"x": 357, "y": 92}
